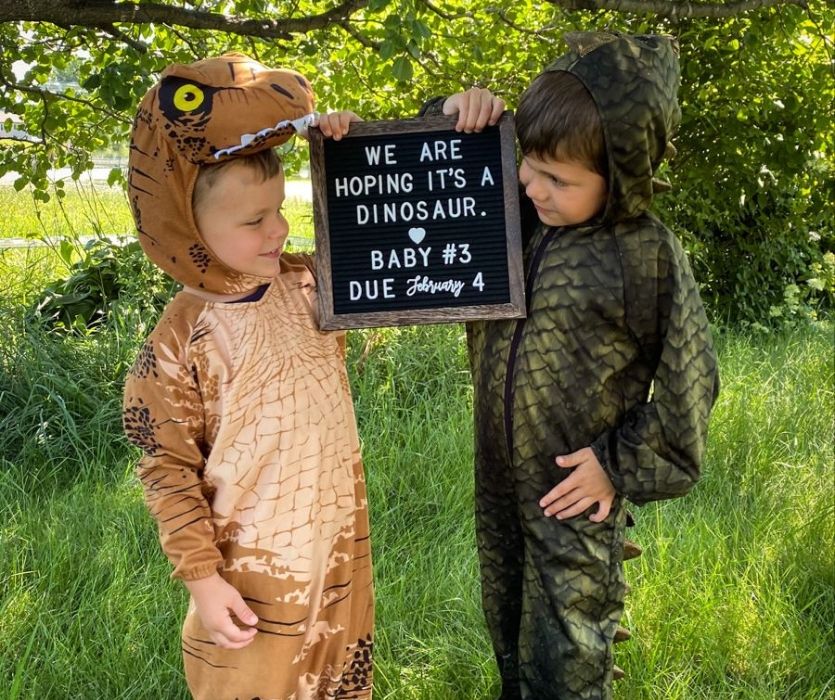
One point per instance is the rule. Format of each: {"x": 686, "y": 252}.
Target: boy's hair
{"x": 557, "y": 118}
{"x": 266, "y": 163}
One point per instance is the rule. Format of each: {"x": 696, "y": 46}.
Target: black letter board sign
{"x": 416, "y": 223}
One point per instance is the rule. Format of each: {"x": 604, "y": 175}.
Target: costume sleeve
{"x": 163, "y": 415}
{"x": 656, "y": 452}
{"x": 432, "y": 107}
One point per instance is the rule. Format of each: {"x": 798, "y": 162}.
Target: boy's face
{"x": 240, "y": 220}
{"x": 564, "y": 193}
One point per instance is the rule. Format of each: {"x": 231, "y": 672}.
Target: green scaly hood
{"x": 634, "y": 81}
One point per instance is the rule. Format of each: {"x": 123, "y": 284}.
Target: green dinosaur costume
{"x": 616, "y": 354}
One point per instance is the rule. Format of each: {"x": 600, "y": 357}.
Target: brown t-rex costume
{"x": 251, "y": 461}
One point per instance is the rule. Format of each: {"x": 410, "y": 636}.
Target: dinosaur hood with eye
{"x": 196, "y": 115}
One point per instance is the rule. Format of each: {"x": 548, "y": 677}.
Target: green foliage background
{"x": 756, "y": 165}
{"x": 734, "y": 596}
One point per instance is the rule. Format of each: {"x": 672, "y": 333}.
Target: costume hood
{"x": 633, "y": 81}
{"x": 198, "y": 114}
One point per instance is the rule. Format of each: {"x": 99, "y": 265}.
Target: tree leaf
{"x": 402, "y": 69}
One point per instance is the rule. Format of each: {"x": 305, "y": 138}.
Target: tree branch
{"x": 677, "y": 10}
{"x": 104, "y": 12}
{"x": 137, "y": 46}
{"x": 49, "y": 95}
{"x": 444, "y": 15}
{"x": 19, "y": 139}
{"x": 502, "y": 15}
{"x": 359, "y": 37}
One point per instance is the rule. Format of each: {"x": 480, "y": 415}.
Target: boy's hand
{"x": 216, "y": 602}
{"x": 476, "y": 108}
{"x": 336, "y": 124}
{"x": 587, "y": 485}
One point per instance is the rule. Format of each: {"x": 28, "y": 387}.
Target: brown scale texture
{"x": 252, "y": 468}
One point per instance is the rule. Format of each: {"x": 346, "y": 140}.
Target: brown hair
{"x": 266, "y": 163}
{"x": 557, "y": 118}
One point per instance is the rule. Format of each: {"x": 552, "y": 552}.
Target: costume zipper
{"x": 533, "y": 268}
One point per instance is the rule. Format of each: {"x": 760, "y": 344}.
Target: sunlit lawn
{"x": 734, "y": 596}
{"x": 99, "y": 210}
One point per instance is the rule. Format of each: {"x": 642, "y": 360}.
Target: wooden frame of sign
{"x": 416, "y": 223}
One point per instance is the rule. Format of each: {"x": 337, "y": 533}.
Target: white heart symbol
{"x": 417, "y": 235}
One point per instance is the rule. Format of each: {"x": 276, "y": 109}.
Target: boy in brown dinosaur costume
{"x": 602, "y": 394}
{"x": 241, "y": 406}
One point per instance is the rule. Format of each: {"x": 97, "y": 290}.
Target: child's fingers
{"x": 237, "y": 642}
{"x": 480, "y": 106}
{"x": 343, "y": 124}
{"x": 561, "y": 496}
{"x": 574, "y": 459}
{"x": 555, "y": 493}
{"x": 230, "y": 633}
{"x": 603, "y": 509}
{"x": 243, "y": 612}
{"x": 483, "y": 117}
{"x": 469, "y": 104}
{"x": 329, "y": 124}
{"x": 324, "y": 125}
{"x": 491, "y": 110}
{"x": 573, "y": 510}
{"x": 335, "y": 125}
{"x": 466, "y": 104}
{"x": 459, "y": 104}
{"x": 452, "y": 104}
{"x": 498, "y": 110}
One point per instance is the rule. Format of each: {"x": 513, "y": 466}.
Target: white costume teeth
{"x": 300, "y": 125}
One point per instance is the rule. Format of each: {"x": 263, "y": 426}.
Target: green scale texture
{"x": 615, "y": 353}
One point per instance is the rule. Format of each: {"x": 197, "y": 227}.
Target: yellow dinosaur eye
{"x": 187, "y": 98}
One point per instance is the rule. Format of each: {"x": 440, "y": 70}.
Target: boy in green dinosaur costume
{"x": 602, "y": 394}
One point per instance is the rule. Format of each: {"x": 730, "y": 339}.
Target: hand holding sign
{"x": 335, "y": 125}
{"x": 476, "y": 108}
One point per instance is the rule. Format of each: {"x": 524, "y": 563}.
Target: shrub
{"x": 109, "y": 281}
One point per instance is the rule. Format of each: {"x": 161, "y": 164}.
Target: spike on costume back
{"x": 199, "y": 114}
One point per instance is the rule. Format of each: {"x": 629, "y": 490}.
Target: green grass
{"x": 734, "y": 596}
{"x": 83, "y": 211}
{"x": 100, "y": 210}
